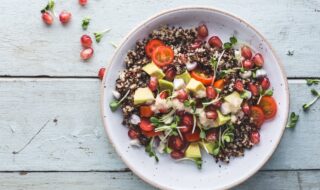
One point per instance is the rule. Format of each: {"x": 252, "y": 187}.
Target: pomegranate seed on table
{"x": 47, "y": 18}
{"x": 101, "y": 73}
{"x": 258, "y": 60}
{"x": 253, "y": 89}
{"x": 196, "y": 44}
{"x": 202, "y": 31}
{"x": 212, "y": 135}
{"x": 238, "y": 85}
{"x": 212, "y": 115}
{"x": 182, "y": 95}
{"x": 246, "y": 108}
{"x": 265, "y": 83}
{"x": 133, "y": 134}
{"x": 86, "y": 53}
{"x": 176, "y": 143}
{"x": 215, "y": 41}
{"x": 247, "y": 64}
{"x": 64, "y": 17}
{"x": 211, "y": 92}
{"x": 153, "y": 84}
{"x": 177, "y": 154}
{"x": 86, "y": 41}
{"x": 83, "y": 2}
{"x": 170, "y": 73}
{"x": 246, "y": 52}
{"x": 255, "y": 137}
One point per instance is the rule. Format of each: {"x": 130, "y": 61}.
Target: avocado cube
{"x": 193, "y": 151}
{"x": 153, "y": 70}
{"x": 209, "y": 146}
{"x": 184, "y": 76}
{"x": 142, "y": 95}
{"x": 165, "y": 85}
{"x": 221, "y": 120}
{"x": 195, "y": 86}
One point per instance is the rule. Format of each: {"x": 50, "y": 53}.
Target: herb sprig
{"x": 98, "y": 35}
{"x": 309, "y": 104}
{"x": 312, "y": 81}
{"x": 114, "y": 105}
{"x": 49, "y": 7}
{"x": 226, "y": 136}
{"x": 293, "y": 120}
{"x": 149, "y": 149}
{"x": 197, "y": 161}
{"x": 85, "y": 23}
{"x": 228, "y": 45}
{"x": 262, "y": 93}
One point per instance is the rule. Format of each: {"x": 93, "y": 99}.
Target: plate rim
{"x": 206, "y": 8}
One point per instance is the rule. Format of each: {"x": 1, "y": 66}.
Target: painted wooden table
{"x": 51, "y": 134}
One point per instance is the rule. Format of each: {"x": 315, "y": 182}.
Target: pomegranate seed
{"x": 86, "y": 53}
{"x": 65, "y": 17}
{"x": 133, "y": 134}
{"x": 212, "y": 115}
{"x": 247, "y": 64}
{"x": 202, "y": 31}
{"x": 164, "y": 94}
{"x": 187, "y": 120}
{"x": 215, "y": 41}
{"x": 47, "y": 18}
{"x": 196, "y": 44}
{"x": 217, "y": 104}
{"x": 246, "y": 52}
{"x": 83, "y": 2}
{"x": 182, "y": 95}
{"x": 176, "y": 154}
{"x": 212, "y": 135}
{"x": 253, "y": 89}
{"x": 265, "y": 83}
{"x": 238, "y": 85}
{"x": 211, "y": 92}
{"x": 255, "y": 137}
{"x": 175, "y": 143}
{"x": 258, "y": 60}
{"x": 170, "y": 73}
{"x": 246, "y": 108}
{"x": 86, "y": 41}
{"x": 153, "y": 84}
{"x": 101, "y": 73}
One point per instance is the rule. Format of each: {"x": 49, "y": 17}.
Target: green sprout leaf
{"x": 293, "y": 120}
{"x": 150, "y": 151}
{"x": 216, "y": 151}
{"x": 99, "y": 35}
{"x": 268, "y": 92}
{"x": 233, "y": 40}
{"x": 202, "y": 134}
{"x": 312, "y": 81}
{"x": 308, "y": 105}
{"x": 227, "y": 45}
{"x": 114, "y": 104}
{"x": 85, "y": 23}
{"x": 49, "y": 6}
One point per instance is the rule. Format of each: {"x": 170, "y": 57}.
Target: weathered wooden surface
{"x": 28, "y": 47}
{"x": 263, "y": 180}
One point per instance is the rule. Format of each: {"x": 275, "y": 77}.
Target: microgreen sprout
{"x": 308, "y": 105}
{"x": 215, "y": 64}
{"x": 262, "y": 93}
{"x": 98, "y": 35}
{"x": 293, "y": 120}
{"x": 226, "y": 136}
{"x": 49, "y": 7}
{"x": 114, "y": 105}
{"x": 197, "y": 161}
{"x": 312, "y": 81}
{"x": 149, "y": 149}
{"x": 85, "y": 23}
{"x": 228, "y": 45}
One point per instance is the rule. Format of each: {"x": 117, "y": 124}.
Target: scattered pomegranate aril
{"x": 153, "y": 84}
{"x": 258, "y": 60}
{"x": 246, "y": 52}
{"x": 176, "y": 143}
{"x": 101, "y": 73}
{"x": 202, "y": 31}
{"x": 170, "y": 73}
{"x": 177, "y": 154}
{"x": 253, "y": 89}
{"x": 265, "y": 83}
{"x": 247, "y": 64}
{"x": 47, "y": 18}
{"x": 246, "y": 108}
{"x": 86, "y": 41}
{"x": 215, "y": 41}
{"x": 133, "y": 134}
{"x": 64, "y": 17}
{"x": 196, "y": 44}
{"x": 212, "y": 115}
{"x": 238, "y": 85}
{"x": 86, "y": 53}
{"x": 182, "y": 95}
{"x": 211, "y": 92}
{"x": 83, "y": 2}
{"x": 212, "y": 135}
{"x": 255, "y": 137}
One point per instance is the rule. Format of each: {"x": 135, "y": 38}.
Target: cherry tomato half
{"x": 193, "y": 137}
{"x": 206, "y": 80}
{"x": 151, "y": 133}
{"x": 257, "y": 115}
{"x": 269, "y": 107}
{"x": 162, "y": 55}
{"x": 219, "y": 84}
{"x": 152, "y": 45}
{"x": 145, "y": 125}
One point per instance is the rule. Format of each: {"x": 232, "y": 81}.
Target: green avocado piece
{"x": 142, "y": 95}
{"x": 234, "y": 99}
{"x": 193, "y": 151}
{"x": 221, "y": 120}
{"x": 165, "y": 85}
{"x": 153, "y": 70}
{"x": 195, "y": 86}
{"x": 209, "y": 146}
{"x": 184, "y": 76}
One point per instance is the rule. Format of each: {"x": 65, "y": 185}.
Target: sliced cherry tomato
{"x": 162, "y": 55}
{"x": 145, "y": 111}
{"x": 219, "y": 84}
{"x": 257, "y": 115}
{"x": 269, "y": 106}
{"x": 152, "y": 45}
{"x": 145, "y": 125}
{"x": 193, "y": 137}
{"x": 151, "y": 133}
{"x": 202, "y": 77}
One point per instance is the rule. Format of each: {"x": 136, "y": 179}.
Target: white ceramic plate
{"x": 168, "y": 174}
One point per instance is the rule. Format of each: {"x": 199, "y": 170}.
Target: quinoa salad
{"x": 186, "y": 93}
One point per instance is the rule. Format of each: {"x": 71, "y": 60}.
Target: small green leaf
{"x": 216, "y": 151}
{"x": 312, "y": 81}
{"x": 98, "y": 35}
{"x": 202, "y": 134}
{"x": 198, "y": 162}
{"x": 150, "y": 151}
{"x": 114, "y": 105}
{"x": 314, "y": 92}
{"x": 227, "y": 45}
{"x": 233, "y": 40}
{"x": 268, "y": 92}
{"x": 85, "y": 23}
{"x": 293, "y": 120}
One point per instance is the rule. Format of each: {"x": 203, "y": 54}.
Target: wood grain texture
{"x": 29, "y": 48}
{"x": 77, "y": 142}
{"x": 263, "y": 180}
